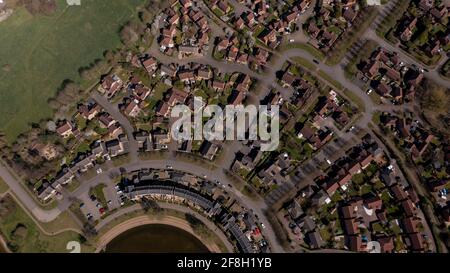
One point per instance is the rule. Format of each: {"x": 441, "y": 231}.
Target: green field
{"x": 31, "y": 239}
{"x": 37, "y": 53}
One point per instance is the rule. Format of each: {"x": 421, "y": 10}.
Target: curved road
{"x": 176, "y": 207}
{"x": 267, "y": 79}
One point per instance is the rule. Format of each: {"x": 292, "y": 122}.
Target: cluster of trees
{"x": 199, "y": 228}
{"x": 66, "y": 95}
{"x": 363, "y": 54}
{"x": 445, "y": 70}
{"x": 138, "y": 29}
{"x": 361, "y": 23}
{"x": 435, "y": 97}
{"x": 26, "y": 161}
{"x": 150, "y": 205}
{"x": 390, "y": 20}
{"x": 434, "y": 102}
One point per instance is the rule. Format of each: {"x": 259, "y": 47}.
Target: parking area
{"x": 113, "y": 199}
{"x": 90, "y": 207}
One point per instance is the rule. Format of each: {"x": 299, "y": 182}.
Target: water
{"x": 156, "y": 238}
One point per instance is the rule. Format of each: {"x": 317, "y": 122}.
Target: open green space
{"x": 23, "y": 235}
{"x": 330, "y": 80}
{"x": 37, "y": 53}
{"x": 97, "y": 191}
{"x": 3, "y": 186}
{"x": 355, "y": 99}
{"x": 306, "y": 47}
{"x": 304, "y": 63}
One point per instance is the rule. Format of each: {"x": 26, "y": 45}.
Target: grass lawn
{"x": 64, "y": 221}
{"x": 97, "y": 191}
{"x": 157, "y": 95}
{"x": 355, "y": 99}
{"x": 23, "y": 235}
{"x": 3, "y": 186}
{"x": 121, "y": 160}
{"x": 73, "y": 186}
{"x": 304, "y": 63}
{"x": 306, "y": 47}
{"x": 376, "y": 118}
{"x": 378, "y": 228}
{"x": 325, "y": 234}
{"x": 42, "y": 51}
{"x": 330, "y": 80}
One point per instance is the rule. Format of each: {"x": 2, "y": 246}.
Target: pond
{"x": 156, "y": 238}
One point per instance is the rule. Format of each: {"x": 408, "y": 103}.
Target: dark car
{"x": 315, "y": 61}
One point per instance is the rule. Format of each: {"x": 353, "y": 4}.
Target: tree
{"x": 131, "y": 32}
{"x": 422, "y": 38}
{"x": 89, "y": 230}
{"x": 111, "y": 57}
{"x": 145, "y": 16}
{"x": 151, "y": 205}
{"x": 198, "y": 226}
{"x": 435, "y": 98}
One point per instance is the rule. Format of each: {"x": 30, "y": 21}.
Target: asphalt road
{"x": 268, "y": 80}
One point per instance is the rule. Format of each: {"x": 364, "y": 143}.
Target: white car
{"x": 291, "y": 40}
{"x": 369, "y": 91}
{"x": 263, "y": 226}
{"x": 328, "y": 161}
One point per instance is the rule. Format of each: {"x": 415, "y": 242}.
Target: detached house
{"x": 110, "y": 85}
{"x": 65, "y": 129}
{"x": 132, "y": 109}
{"x": 150, "y": 64}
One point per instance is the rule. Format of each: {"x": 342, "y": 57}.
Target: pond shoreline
{"x": 145, "y": 220}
